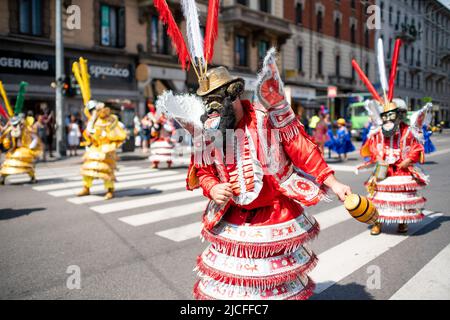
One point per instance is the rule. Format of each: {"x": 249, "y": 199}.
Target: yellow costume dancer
{"x": 103, "y": 135}
{"x": 20, "y": 140}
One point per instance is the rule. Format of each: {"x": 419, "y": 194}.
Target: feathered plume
{"x": 373, "y": 109}
{"x": 20, "y": 98}
{"x": 3, "y": 113}
{"x": 5, "y": 99}
{"x": 174, "y": 32}
{"x": 394, "y": 64}
{"x": 194, "y": 35}
{"x": 382, "y": 68}
{"x": 366, "y": 81}
{"x": 212, "y": 27}
{"x": 419, "y": 119}
{"x": 185, "y": 109}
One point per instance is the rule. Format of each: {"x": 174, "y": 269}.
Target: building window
{"x": 300, "y": 59}
{"x": 337, "y": 28}
{"x": 299, "y": 13}
{"x": 353, "y": 74}
{"x": 30, "y": 17}
{"x": 240, "y": 50}
{"x": 112, "y": 26}
{"x": 159, "y": 40}
{"x": 366, "y": 38}
{"x": 265, "y": 6}
{"x": 263, "y": 47}
{"x": 389, "y": 49}
{"x": 319, "y": 21}
{"x": 352, "y": 4}
{"x": 367, "y": 69}
{"x": 319, "y": 63}
{"x": 390, "y": 15}
{"x": 353, "y": 33}
{"x": 397, "y": 24}
{"x": 338, "y": 66}
{"x": 381, "y": 10}
{"x": 243, "y": 2}
{"x": 412, "y": 56}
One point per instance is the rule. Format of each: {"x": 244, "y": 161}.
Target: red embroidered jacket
{"x": 404, "y": 145}
{"x": 298, "y": 150}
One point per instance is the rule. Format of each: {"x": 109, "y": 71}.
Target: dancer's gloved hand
{"x": 340, "y": 189}
{"x": 221, "y": 193}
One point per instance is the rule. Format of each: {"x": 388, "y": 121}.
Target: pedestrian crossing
{"x": 147, "y": 197}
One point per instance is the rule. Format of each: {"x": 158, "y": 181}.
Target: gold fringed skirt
{"x": 19, "y": 161}
{"x": 100, "y": 162}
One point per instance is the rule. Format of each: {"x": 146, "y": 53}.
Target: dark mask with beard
{"x": 391, "y": 122}
{"x": 219, "y": 113}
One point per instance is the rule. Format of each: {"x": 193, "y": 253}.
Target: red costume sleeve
{"x": 416, "y": 152}
{"x": 207, "y": 176}
{"x": 305, "y": 155}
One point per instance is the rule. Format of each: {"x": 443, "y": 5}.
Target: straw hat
{"x": 215, "y": 79}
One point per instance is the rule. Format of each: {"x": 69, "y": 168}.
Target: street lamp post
{"x": 59, "y": 103}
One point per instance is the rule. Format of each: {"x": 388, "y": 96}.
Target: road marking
{"x": 147, "y": 201}
{"x": 348, "y": 256}
{"x": 121, "y": 173}
{"x": 341, "y": 167}
{"x": 432, "y": 282}
{"x": 332, "y": 217}
{"x": 437, "y": 153}
{"x": 165, "y": 214}
{"x": 183, "y": 233}
{"x": 67, "y": 173}
{"x": 157, "y": 188}
{"x": 67, "y": 185}
{"x": 121, "y": 185}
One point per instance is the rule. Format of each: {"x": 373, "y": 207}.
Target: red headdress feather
{"x": 174, "y": 32}
{"x": 366, "y": 81}
{"x": 3, "y": 113}
{"x": 393, "y": 74}
{"x": 212, "y": 27}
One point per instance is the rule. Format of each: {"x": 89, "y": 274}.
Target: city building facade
{"x": 424, "y": 62}
{"x": 327, "y": 35}
{"x": 27, "y": 35}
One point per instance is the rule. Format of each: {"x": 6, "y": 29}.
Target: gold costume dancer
{"x": 103, "y": 135}
{"x": 106, "y": 135}
{"x": 22, "y": 143}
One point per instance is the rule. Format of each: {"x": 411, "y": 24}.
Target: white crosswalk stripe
{"x": 182, "y": 233}
{"x": 432, "y": 282}
{"x": 157, "y": 196}
{"x": 347, "y": 257}
{"x": 79, "y": 184}
{"x": 121, "y": 185}
{"x": 165, "y": 214}
{"x": 148, "y": 201}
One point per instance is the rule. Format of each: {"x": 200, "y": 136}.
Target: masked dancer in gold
{"x": 103, "y": 135}
{"x": 22, "y": 143}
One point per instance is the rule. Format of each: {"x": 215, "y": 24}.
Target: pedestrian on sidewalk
{"x": 41, "y": 130}
{"x": 73, "y": 136}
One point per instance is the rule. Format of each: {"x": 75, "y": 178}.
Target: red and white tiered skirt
{"x": 397, "y": 199}
{"x": 259, "y": 259}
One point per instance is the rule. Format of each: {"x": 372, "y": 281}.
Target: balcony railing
{"x": 341, "y": 80}
{"x": 257, "y": 21}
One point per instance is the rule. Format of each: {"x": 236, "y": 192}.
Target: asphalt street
{"x": 143, "y": 244}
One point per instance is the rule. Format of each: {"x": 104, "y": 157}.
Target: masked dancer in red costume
{"x": 393, "y": 148}
{"x": 256, "y": 179}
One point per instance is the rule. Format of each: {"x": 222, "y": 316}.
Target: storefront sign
{"x": 22, "y": 63}
{"x": 332, "y": 92}
{"x": 105, "y": 72}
